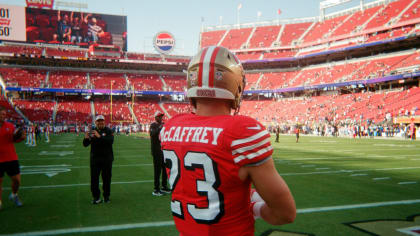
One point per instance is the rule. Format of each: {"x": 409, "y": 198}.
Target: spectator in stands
{"x": 76, "y": 28}
{"x": 101, "y": 157}
{"x": 159, "y": 167}
{"x": 54, "y": 39}
{"x": 94, "y": 30}
{"x": 8, "y": 158}
{"x": 64, "y": 27}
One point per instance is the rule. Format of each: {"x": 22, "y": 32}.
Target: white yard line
{"x": 354, "y": 206}
{"x": 346, "y": 171}
{"x": 381, "y": 178}
{"x": 171, "y": 223}
{"x": 77, "y": 185}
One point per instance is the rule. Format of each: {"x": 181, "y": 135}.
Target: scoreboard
{"x": 12, "y": 23}
{"x": 40, "y": 25}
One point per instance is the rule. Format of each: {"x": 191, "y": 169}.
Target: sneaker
{"x": 165, "y": 190}
{"x": 107, "y": 200}
{"x": 15, "y": 199}
{"x": 97, "y": 201}
{"x": 157, "y": 193}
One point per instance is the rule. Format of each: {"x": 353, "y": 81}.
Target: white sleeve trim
{"x": 247, "y": 148}
{"x": 249, "y": 139}
{"x": 253, "y": 155}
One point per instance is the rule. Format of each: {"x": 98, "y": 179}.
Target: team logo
{"x": 164, "y": 42}
{"x": 193, "y": 78}
{"x": 409, "y": 226}
{"x": 219, "y": 75}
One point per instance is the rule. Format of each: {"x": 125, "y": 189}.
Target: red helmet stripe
{"x": 212, "y": 60}
{"x": 200, "y": 67}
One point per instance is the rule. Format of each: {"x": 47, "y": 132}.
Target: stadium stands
{"x": 144, "y": 111}
{"x": 296, "y": 38}
{"x": 236, "y": 38}
{"x": 211, "y": 38}
{"x": 264, "y": 36}
{"x": 17, "y": 77}
{"x": 175, "y": 83}
{"x": 36, "y": 111}
{"x": 70, "y": 111}
{"x": 108, "y": 80}
{"x": 145, "y": 82}
{"x": 67, "y": 79}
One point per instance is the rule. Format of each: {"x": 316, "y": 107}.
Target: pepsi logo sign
{"x": 164, "y": 42}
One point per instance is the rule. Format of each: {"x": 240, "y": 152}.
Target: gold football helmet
{"x": 216, "y": 73}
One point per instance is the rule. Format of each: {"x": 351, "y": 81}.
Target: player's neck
{"x": 213, "y": 108}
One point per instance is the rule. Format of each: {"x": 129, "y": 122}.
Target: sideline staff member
{"x": 159, "y": 167}
{"x": 8, "y": 158}
{"x": 101, "y": 156}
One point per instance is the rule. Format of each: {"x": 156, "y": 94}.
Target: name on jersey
{"x": 190, "y": 134}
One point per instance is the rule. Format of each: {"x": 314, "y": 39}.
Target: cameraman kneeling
{"x": 101, "y": 156}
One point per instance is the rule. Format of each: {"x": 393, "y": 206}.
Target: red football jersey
{"x": 203, "y": 155}
{"x": 7, "y": 147}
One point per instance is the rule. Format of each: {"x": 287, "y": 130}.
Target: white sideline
{"x": 171, "y": 223}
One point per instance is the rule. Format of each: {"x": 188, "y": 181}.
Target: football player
{"x": 213, "y": 157}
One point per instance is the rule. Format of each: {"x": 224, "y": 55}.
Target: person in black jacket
{"x": 101, "y": 157}
{"x": 158, "y": 164}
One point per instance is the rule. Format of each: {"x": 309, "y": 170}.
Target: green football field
{"x": 341, "y": 186}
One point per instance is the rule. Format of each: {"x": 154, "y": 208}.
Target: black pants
{"x": 159, "y": 168}
{"x": 96, "y": 168}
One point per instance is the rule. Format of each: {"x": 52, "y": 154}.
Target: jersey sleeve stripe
{"x": 253, "y": 155}
{"x": 249, "y": 139}
{"x": 250, "y": 147}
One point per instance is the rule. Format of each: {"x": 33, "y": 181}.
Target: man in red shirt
{"x": 8, "y": 158}
{"x": 213, "y": 157}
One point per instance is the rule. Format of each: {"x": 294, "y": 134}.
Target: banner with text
{"x": 40, "y": 3}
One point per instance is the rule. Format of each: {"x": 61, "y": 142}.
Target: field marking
{"x": 358, "y": 174}
{"x": 77, "y": 185}
{"x": 409, "y": 182}
{"x": 171, "y": 223}
{"x": 393, "y": 145}
{"x": 410, "y": 230}
{"x": 355, "y": 206}
{"x": 71, "y": 158}
{"x": 346, "y": 171}
{"x": 381, "y": 178}
{"x": 305, "y": 166}
{"x": 61, "y": 146}
{"x": 56, "y": 153}
{"x": 95, "y": 229}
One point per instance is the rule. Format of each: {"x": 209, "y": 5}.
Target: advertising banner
{"x": 40, "y": 3}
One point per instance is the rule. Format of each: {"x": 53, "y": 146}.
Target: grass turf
{"x": 320, "y": 171}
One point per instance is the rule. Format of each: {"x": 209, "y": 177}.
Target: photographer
{"x": 8, "y": 158}
{"x": 101, "y": 156}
